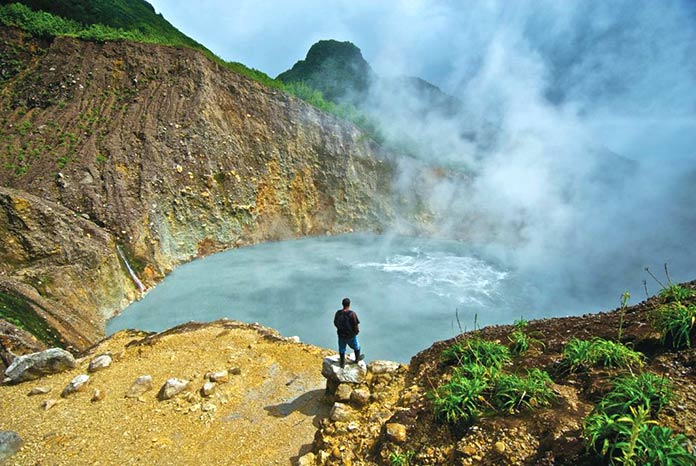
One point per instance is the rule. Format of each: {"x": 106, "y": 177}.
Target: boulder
{"x": 10, "y": 443}
{"x": 341, "y": 413}
{"x": 35, "y": 365}
{"x": 77, "y": 384}
{"x": 396, "y": 432}
{"x": 383, "y": 367}
{"x": 141, "y": 385}
{"x": 350, "y": 373}
{"x": 171, "y": 388}
{"x": 100, "y": 362}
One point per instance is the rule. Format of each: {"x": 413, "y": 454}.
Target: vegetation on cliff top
{"x": 337, "y": 69}
{"x": 136, "y": 20}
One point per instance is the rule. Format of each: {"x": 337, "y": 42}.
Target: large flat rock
{"x": 35, "y": 365}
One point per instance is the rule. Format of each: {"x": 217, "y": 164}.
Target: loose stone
{"x": 100, "y": 362}
{"x": 219, "y": 377}
{"x": 343, "y": 392}
{"x": 340, "y": 413}
{"x": 360, "y": 396}
{"x": 39, "y": 391}
{"x": 98, "y": 395}
{"x": 208, "y": 388}
{"x": 171, "y": 388}
{"x": 396, "y": 432}
{"x": 10, "y": 443}
{"x": 307, "y": 460}
{"x": 383, "y": 367}
{"x": 141, "y": 385}
{"x": 350, "y": 373}
{"x": 48, "y": 404}
{"x": 77, "y": 384}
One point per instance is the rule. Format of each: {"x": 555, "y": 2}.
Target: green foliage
{"x": 477, "y": 350}
{"x": 622, "y": 313}
{"x": 19, "y": 312}
{"x": 634, "y": 439}
{"x": 661, "y": 446}
{"x": 459, "y": 400}
{"x": 676, "y": 322}
{"x": 99, "y": 20}
{"x": 621, "y": 428}
{"x": 478, "y": 384}
{"x": 520, "y": 340}
{"x": 134, "y": 20}
{"x": 512, "y": 393}
{"x": 646, "y": 389}
{"x": 675, "y": 293}
{"x": 401, "y": 459}
{"x": 599, "y": 352}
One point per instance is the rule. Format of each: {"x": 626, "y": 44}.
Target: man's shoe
{"x": 343, "y": 360}
{"x": 358, "y": 357}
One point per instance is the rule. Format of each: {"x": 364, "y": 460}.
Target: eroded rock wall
{"x": 170, "y": 155}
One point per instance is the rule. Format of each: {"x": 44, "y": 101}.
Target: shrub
{"x": 477, "y": 350}
{"x": 675, "y": 321}
{"x": 599, "y": 352}
{"x": 512, "y": 393}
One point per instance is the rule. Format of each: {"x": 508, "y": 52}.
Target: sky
{"x": 589, "y": 47}
{"x": 554, "y": 95}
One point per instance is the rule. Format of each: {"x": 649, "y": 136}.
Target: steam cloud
{"x": 575, "y": 144}
{"x": 577, "y": 127}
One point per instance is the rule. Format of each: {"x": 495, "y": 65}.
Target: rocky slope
{"x": 166, "y": 154}
{"x": 271, "y": 405}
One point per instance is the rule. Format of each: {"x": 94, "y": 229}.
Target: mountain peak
{"x": 335, "y": 68}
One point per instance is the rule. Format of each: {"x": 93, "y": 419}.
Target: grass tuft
{"x": 512, "y": 393}
{"x": 598, "y": 352}
{"x": 676, "y": 322}
{"x": 477, "y": 350}
{"x": 676, "y": 293}
{"x": 646, "y": 389}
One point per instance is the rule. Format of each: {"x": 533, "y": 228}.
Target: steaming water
{"x": 406, "y": 291}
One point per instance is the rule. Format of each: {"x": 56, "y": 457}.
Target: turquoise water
{"x": 406, "y": 291}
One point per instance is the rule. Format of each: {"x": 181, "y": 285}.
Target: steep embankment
{"x": 166, "y": 153}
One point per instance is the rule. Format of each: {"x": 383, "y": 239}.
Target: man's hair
{"x": 346, "y": 302}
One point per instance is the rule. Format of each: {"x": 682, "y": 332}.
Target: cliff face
{"x": 168, "y": 154}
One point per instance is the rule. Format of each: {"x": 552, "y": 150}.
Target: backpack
{"x": 344, "y": 323}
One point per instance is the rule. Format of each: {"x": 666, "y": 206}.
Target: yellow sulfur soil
{"x": 266, "y": 415}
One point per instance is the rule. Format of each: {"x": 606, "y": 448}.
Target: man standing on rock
{"x": 348, "y": 327}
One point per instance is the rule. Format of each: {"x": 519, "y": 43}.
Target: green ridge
{"x": 136, "y": 20}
